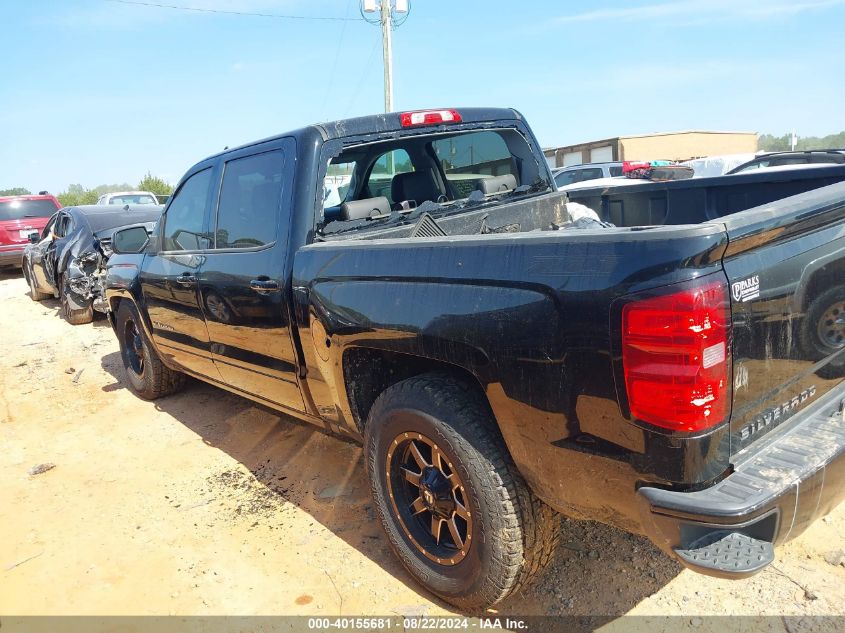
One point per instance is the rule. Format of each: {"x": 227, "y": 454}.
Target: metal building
{"x": 659, "y": 146}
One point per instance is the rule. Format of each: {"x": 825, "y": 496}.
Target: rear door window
{"x": 249, "y": 201}
{"x": 63, "y": 224}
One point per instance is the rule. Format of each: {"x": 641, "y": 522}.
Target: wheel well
{"x": 368, "y": 372}
{"x": 114, "y": 303}
{"x": 824, "y": 278}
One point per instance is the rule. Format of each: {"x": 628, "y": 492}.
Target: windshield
{"x": 18, "y": 209}
{"x": 140, "y": 198}
{"x": 444, "y": 171}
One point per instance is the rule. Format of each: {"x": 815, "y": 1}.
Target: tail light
{"x": 676, "y": 357}
{"x": 429, "y": 117}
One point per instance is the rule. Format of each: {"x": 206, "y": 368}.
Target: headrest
{"x": 496, "y": 184}
{"x": 366, "y": 208}
{"x": 415, "y": 185}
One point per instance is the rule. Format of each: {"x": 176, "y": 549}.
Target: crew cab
{"x": 499, "y": 361}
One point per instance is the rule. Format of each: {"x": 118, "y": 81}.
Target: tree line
{"x": 770, "y": 143}
{"x": 77, "y": 194}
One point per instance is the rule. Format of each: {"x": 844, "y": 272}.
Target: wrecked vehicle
{"x": 67, "y": 259}
{"x": 496, "y": 359}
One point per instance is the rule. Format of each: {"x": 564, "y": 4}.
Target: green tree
{"x": 77, "y": 194}
{"x": 15, "y": 191}
{"x": 155, "y": 185}
{"x": 770, "y": 143}
{"x": 101, "y": 189}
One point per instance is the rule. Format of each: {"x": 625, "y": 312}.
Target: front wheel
{"x": 147, "y": 375}
{"x": 455, "y": 509}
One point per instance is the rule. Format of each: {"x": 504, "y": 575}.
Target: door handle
{"x": 186, "y": 279}
{"x": 264, "y": 285}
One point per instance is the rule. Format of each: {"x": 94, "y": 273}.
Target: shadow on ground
{"x": 55, "y": 306}
{"x": 597, "y": 570}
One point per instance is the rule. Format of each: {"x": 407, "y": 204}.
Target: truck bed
{"x": 534, "y": 316}
{"x": 700, "y": 199}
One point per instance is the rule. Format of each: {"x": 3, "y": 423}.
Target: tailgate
{"x": 17, "y": 231}
{"x": 786, "y": 267}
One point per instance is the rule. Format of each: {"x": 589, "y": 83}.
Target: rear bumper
{"x": 772, "y": 496}
{"x": 11, "y": 255}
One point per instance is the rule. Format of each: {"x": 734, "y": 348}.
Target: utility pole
{"x": 388, "y": 11}
{"x": 387, "y": 52}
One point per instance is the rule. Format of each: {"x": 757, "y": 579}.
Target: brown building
{"x": 659, "y": 146}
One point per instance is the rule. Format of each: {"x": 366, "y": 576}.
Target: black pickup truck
{"x": 414, "y": 281}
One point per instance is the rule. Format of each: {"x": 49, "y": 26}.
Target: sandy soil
{"x": 202, "y": 503}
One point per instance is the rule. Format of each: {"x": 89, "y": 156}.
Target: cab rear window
{"x": 19, "y": 209}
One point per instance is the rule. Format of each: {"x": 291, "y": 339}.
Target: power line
{"x": 367, "y": 67}
{"x": 226, "y": 12}
{"x": 334, "y": 63}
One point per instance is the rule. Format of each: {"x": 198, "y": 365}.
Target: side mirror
{"x": 34, "y": 238}
{"x": 129, "y": 241}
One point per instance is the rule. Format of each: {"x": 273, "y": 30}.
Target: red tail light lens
{"x": 429, "y": 117}
{"x": 676, "y": 357}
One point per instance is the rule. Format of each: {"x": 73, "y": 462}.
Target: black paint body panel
{"x": 532, "y": 317}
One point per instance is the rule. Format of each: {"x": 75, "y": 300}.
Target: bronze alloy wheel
{"x": 428, "y": 498}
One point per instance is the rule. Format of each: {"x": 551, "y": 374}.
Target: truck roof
{"x": 376, "y": 123}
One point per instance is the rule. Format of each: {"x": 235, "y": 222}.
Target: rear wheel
{"x": 147, "y": 375}
{"x": 455, "y": 509}
{"x": 34, "y": 293}
{"x": 73, "y": 313}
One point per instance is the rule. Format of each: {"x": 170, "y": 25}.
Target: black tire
{"x": 823, "y": 331}
{"x": 512, "y": 535}
{"x": 71, "y": 313}
{"x": 34, "y": 293}
{"x": 147, "y": 376}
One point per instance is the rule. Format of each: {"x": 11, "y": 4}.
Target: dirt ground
{"x": 202, "y": 503}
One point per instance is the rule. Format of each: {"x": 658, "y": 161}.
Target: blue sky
{"x": 94, "y": 91}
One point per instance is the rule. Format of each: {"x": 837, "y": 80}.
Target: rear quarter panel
{"x": 529, "y": 317}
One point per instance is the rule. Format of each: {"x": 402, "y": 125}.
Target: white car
{"x": 128, "y": 197}
{"x": 587, "y": 171}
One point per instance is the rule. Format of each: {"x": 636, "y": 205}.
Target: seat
{"x": 418, "y": 186}
{"x": 366, "y": 208}
{"x": 497, "y": 184}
